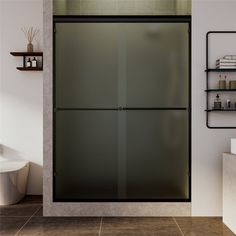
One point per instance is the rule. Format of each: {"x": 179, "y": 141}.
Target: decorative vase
{"x": 30, "y": 47}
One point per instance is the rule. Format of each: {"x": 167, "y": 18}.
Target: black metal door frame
{"x": 124, "y": 19}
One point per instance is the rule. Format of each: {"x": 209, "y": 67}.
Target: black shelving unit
{"x": 212, "y": 90}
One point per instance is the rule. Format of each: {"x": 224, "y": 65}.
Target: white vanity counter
{"x": 229, "y": 190}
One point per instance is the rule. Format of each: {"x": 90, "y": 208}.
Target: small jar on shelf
{"x": 217, "y": 103}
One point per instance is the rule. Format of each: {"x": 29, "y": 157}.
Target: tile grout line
{"x": 27, "y": 221}
{"x": 178, "y": 226}
{"x": 100, "y": 229}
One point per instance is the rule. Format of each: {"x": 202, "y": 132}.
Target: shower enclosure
{"x": 122, "y": 109}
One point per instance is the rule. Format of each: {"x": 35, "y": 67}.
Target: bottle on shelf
{"x": 228, "y": 104}
{"x": 28, "y": 63}
{"x": 222, "y": 82}
{"x": 34, "y": 62}
{"x": 232, "y": 84}
{"x": 217, "y": 103}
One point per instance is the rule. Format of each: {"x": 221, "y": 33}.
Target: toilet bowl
{"x": 13, "y": 181}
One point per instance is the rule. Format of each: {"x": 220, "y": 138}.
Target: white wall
{"x": 208, "y": 144}
{"x": 21, "y": 93}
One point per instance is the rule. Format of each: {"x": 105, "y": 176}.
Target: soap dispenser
{"x": 34, "y": 62}
{"x": 28, "y": 63}
{"x": 217, "y": 103}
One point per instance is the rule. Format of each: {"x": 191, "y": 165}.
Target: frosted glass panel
{"x": 86, "y": 65}
{"x": 116, "y": 135}
{"x": 157, "y": 155}
{"x": 86, "y": 155}
{"x": 157, "y": 64}
{"x": 115, "y": 64}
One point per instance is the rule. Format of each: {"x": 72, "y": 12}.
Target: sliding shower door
{"x": 121, "y": 109}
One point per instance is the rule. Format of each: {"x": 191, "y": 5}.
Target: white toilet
{"x": 13, "y": 181}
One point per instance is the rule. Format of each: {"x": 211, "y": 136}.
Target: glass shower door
{"x": 157, "y": 111}
{"x": 86, "y": 115}
{"x": 121, "y": 111}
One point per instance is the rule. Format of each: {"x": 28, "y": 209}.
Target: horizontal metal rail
{"x": 119, "y": 108}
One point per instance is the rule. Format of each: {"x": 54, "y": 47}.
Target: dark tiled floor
{"x": 139, "y": 226}
{"x": 27, "y": 207}
{"x": 61, "y": 226}
{"x": 197, "y": 226}
{"x": 26, "y": 218}
{"x": 10, "y": 225}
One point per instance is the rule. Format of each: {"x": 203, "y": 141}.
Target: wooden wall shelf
{"x": 25, "y": 55}
{"x": 19, "y": 54}
{"x": 29, "y": 68}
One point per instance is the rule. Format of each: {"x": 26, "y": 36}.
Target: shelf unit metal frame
{"x": 209, "y": 90}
